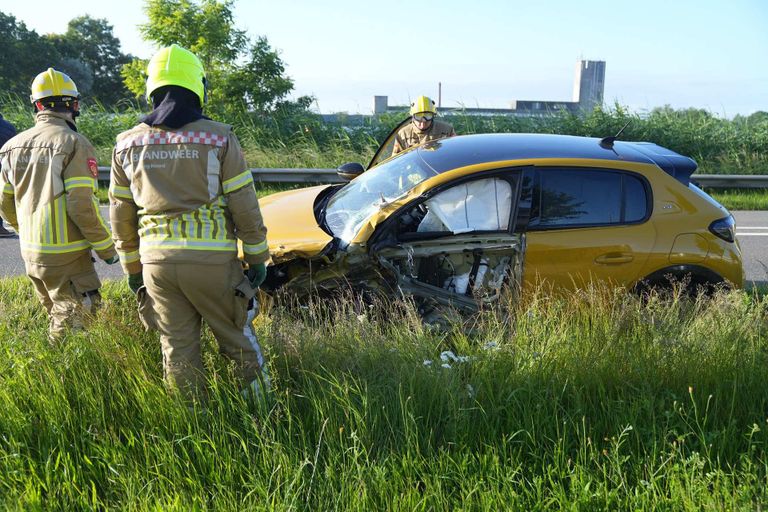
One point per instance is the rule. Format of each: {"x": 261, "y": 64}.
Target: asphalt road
{"x": 751, "y": 232}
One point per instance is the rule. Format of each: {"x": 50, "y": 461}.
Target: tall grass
{"x": 296, "y": 138}
{"x": 591, "y": 401}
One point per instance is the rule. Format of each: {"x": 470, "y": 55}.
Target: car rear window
{"x": 581, "y": 197}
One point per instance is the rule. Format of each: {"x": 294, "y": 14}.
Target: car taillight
{"x": 724, "y": 228}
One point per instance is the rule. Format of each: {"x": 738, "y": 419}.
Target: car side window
{"x": 582, "y": 197}
{"x": 479, "y": 205}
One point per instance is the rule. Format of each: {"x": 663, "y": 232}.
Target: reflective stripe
{"x": 47, "y": 224}
{"x": 61, "y": 220}
{"x": 214, "y": 174}
{"x": 238, "y": 182}
{"x": 206, "y": 222}
{"x": 54, "y": 248}
{"x": 8, "y": 189}
{"x": 153, "y": 242}
{"x": 122, "y": 192}
{"x": 255, "y": 248}
{"x": 104, "y": 244}
{"x": 128, "y": 257}
{"x": 85, "y": 182}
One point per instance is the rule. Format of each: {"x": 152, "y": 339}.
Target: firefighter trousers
{"x": 184, "y": 294}
{"x": 68, "y": 292}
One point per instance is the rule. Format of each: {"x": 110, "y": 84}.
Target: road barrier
{"x": 273, "y": 175}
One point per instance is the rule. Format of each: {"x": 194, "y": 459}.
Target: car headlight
{"x": 724, "y": 228}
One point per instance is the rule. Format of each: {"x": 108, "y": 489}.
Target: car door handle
{"x": 614, "y": 258}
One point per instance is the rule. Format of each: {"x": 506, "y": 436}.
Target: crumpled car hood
{"x": 292, "y": 229}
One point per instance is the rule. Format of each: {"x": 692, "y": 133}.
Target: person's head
{"x": 423, "y": 111}
{"x": 54, "y": 90}
{"x": 176, "y": 66}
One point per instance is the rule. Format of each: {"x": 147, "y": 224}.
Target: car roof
{"x": 446, "y": 154}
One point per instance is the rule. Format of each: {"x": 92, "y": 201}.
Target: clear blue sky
{"x": 707, "y": 54}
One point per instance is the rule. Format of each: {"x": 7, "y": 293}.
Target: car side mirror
{"x": 350, "y": 171}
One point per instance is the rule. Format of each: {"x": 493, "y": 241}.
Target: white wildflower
{"x": 446, "y": 365}
{"x": 491, "y": 345}
{"x": 448, "y": 356}
{"x": 427, "y": 362}
{"x": 471, "y": 391}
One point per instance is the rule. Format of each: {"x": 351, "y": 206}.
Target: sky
{"x": 707, "y": 54}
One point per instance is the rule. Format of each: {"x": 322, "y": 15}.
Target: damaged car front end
{"x": 402, "y": 229}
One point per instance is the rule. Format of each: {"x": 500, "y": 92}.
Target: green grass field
{"x": 594, "y": 401}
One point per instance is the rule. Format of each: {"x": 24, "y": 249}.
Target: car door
{"x": 588, "y": 225}
{"x": 386, "y": 147}
{"x": 456, "y": 246}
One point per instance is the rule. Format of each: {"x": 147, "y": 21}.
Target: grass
{"x": 592, "y": 401}
{"x": 741, "y": 199}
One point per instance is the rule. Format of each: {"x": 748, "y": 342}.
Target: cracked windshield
{"x": 354, "y": 204}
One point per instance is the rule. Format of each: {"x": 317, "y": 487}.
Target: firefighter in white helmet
{"x": 180, "y": 198}
{"x": 423, "y": 126}
{"x": 48, "y": 176}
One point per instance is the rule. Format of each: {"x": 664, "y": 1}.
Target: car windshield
{"x": 351, "y": 206}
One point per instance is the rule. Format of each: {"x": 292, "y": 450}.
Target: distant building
{"x": 588, "y": 91}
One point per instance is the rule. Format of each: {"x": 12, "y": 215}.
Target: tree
{"x": 91, "y": 42}
{"x": 239, "y": 74}
{"x": 24, "y": 55}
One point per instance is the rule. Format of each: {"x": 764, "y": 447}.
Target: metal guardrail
{"x": 274, "y": 175}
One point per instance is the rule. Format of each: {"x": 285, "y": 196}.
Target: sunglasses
{"x": 420, "y": 118}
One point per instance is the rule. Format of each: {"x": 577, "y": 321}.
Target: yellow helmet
{"x": 174, "y": 65}
{"x": 52, "y": 83}
{"x": 423, "y": 104}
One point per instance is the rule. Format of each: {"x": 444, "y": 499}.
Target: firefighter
{"x": 180, "y": 198}
{"x": 49, "y": 177}
{"x": 423, "y": 126}
{"x": 7, "y": 130}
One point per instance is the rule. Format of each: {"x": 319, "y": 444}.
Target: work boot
{"x": 5, "y": 233}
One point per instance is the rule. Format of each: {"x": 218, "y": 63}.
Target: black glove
{"x": 135, "y": 281}
{"x": 256, "y": 274}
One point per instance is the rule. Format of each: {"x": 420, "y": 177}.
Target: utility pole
{"x": 439, "y": 94}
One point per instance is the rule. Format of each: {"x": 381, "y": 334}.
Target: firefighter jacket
{"x": 409, "y": 135}
{"x": 48, "y": 178}
{"x": 183, "y": 196}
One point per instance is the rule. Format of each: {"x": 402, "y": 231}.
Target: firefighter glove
{"x": 256, "y": 274}
{"x": 135, "y": 281}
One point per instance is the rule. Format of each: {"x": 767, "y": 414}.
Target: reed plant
{"x": 292, "y": 137}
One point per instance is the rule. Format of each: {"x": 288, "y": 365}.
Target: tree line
{"x": 243, "y": 73}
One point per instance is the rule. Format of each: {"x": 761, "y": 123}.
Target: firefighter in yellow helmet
{"x": 423, "y": 127}
{"x": 48, "y": 176}
{"x": 181, "y": 196}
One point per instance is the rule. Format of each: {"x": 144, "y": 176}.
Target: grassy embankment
{"x": 594, "y": 401}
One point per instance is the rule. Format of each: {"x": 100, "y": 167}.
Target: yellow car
{"x": 455, "y": 221}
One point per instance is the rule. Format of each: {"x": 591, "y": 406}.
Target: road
{"x": 751, "y": 232}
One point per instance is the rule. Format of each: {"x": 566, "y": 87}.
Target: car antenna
{"x": 607, "y": 142}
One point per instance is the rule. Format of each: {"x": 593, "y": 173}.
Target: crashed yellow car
{"x": 456, "y": 221}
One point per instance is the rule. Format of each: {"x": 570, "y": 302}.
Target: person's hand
{"x": 256, "y": 274}
{"x": 111, "y": 261}
{"x": 135, "y": 281}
